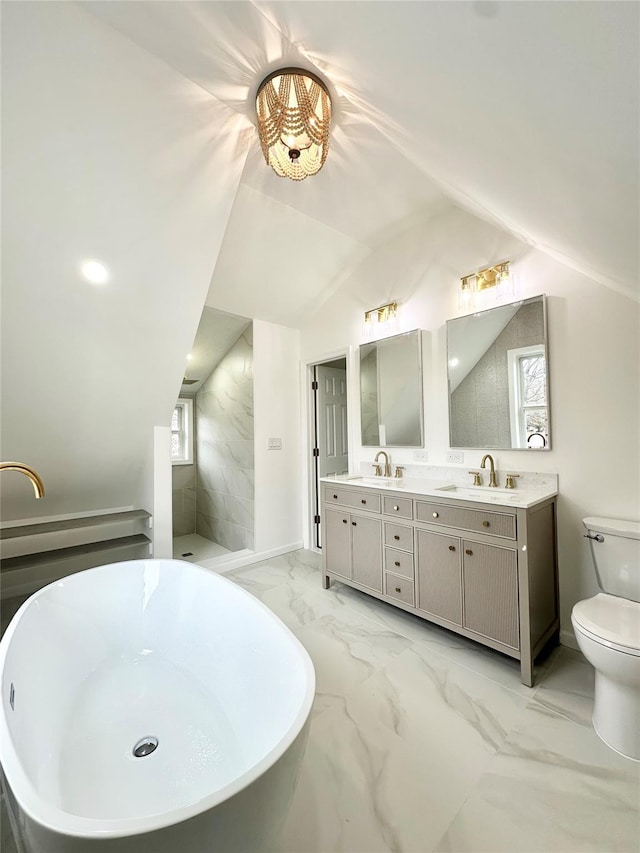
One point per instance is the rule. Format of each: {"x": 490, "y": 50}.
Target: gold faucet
{"x": 492, "y": 470}
{"x": 387, "y": 463}
{"x": 38, "y": 485}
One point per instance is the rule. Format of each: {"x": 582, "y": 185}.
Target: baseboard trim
{"x": 226, "y": 563}
{"x": 568, "y": 638}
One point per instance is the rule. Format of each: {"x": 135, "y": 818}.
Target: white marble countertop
{"x": 448, "y": 489}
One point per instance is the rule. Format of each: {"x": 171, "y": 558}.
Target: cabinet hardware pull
{"x": 363, "y": 501}
{"x": 397, "y": 563}
{"x": 468, "y": 551}
{"x": 396, "y": 508}
{"x": 397, "y": 537}
{"x": 452, "y": 547}
{"x": 335, "y": 497}
{"x": 398, "y": 589}
{"x": 354, "y": 524}
{"x": 435, "y": 514}
{"x": 485, "y": 524}
{"x": 344, "y": 520}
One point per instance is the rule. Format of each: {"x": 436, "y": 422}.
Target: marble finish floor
{"x": 424, "y": 741}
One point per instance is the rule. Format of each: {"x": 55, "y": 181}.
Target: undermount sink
{"x": 482, "y": 493}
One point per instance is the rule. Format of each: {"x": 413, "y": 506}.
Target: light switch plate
{"x": 420, "y": 456}
{"x": 274, "y": 444}
{"x": 456, "y": 456}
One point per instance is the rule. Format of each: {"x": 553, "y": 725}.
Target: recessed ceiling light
{"x": 94, "y": 272}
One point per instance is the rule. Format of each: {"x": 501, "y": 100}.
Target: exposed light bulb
{"x": 94, "y": 272}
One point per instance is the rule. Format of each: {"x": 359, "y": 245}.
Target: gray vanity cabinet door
{"x": 491, "y": 592}
{"x": 439, "y": 571}
{"x": 366, "y": 550}
{"x": 337, "y": 542}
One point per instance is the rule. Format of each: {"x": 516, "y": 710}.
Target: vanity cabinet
{"x": 353, "y": 547}
{"x": 491, "y": 592}
{"x": 485, "y": 571}
{"x": 439, "y": 571}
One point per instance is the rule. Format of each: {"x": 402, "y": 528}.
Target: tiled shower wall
{"x": 480, "y": 403}
{"x": 224, "y": 449}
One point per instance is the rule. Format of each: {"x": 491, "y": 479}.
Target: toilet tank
{"x": 617, "y": 556}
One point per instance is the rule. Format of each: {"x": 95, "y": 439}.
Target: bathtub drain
{"x": 145, "y": 746}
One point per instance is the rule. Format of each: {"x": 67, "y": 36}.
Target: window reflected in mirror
{"x": 499, "y": 378}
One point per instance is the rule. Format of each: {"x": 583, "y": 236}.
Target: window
{"x": 528, "y": 397}
{"x": 182, "y": 433}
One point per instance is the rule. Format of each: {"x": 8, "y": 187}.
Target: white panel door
{"x": 332, "y": 421}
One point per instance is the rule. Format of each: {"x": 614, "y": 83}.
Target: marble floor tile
{"x": 554, "y": 786}
{"x": 494, "y": 665}
{"x": 394, "y": 758}
{"x": 346, "y": 649}
{"x": 437, "y": 746}
{"x": 296, "y": 604}
{"x": 301, "y": 568}
{"x": 567, "y": 687}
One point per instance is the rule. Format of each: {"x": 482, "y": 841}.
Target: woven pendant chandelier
{"x": 294, "y": 118}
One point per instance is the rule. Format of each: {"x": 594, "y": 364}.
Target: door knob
{"x": 398, "y": 589}
{"x": 452, "y": 547}
{"x": 396, "y": 537}
{"x": 397, "y": 563}
{"x": 335, "y": 497}
{"x": 469, "y": 552}
{"x": 363, "y": 501}
{"x": 435, "y": 514}
{"x": 354, "y": 524}
{"x": 485, "y": 524}
{"x": 344, "y": 520}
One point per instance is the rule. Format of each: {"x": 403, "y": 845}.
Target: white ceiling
{"x": 526, "y": 114}
{"x": 217, "y": 333}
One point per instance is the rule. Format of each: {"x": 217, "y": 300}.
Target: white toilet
{"x": 607, "y": 628}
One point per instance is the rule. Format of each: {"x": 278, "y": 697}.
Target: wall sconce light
{"x": 471, "y": 286}
{"x": 492, "y": 276}
{"x": 380, "y": 320}
{"x": 294, "y": 118}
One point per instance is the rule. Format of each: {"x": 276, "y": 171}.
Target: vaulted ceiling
{"x": 525, "y": 114}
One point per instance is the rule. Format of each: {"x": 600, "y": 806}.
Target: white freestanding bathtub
{"x": 213, "y": 690}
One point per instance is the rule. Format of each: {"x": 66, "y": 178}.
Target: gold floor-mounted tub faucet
{"x": 38, "y": 485}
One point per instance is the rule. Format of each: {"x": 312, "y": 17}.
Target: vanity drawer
{"x": 398, "y": 536}
{"x": 399, "y": 588}
{"x": 398, "y": 562}
{"x": 402, "y": 507}
{"x": 495, "y": 523}
{"x": 356, "y": 499}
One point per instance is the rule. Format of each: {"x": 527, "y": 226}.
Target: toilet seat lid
{"x": 614, "y": 620}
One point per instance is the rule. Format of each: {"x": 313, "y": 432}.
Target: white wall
{"x": 108, "y": 154}
{"x": 594, "y": 336}
{"x": 277, "y": 413}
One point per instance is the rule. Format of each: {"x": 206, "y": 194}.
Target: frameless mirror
{"x": 391, "y": 391}
{"x": 499, "y": 378}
